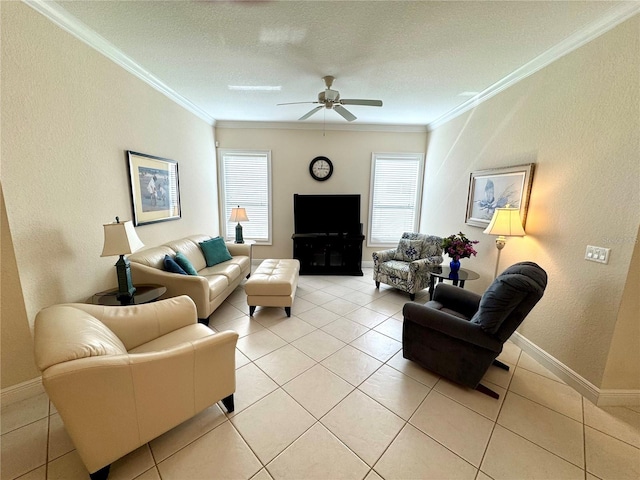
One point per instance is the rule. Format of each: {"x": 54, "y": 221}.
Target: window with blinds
{"x": 245, "y": 181}
{"x": 396, "y": 188}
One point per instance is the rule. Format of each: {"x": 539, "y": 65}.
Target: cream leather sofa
{"x": 209, "y": 288}
{"x": 121, "y": 376}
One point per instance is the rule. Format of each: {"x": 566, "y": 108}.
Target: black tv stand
{"x": 328, "y": 253}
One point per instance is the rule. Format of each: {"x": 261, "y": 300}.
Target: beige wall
{"x": 292, "y": 151}
{"x": 578, "y": 120}
{"x": 68, "y": 115}
{"x": 623, "y": 364}
{"x": 14, "y": 326}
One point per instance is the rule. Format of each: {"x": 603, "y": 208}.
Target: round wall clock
{"x": 321, "y": 168}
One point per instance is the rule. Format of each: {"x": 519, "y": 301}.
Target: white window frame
{"x": 245, "y": 200}
{"x": 373, "y": 237}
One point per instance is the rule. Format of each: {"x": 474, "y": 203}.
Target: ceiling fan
{"x": 330, "y": 99}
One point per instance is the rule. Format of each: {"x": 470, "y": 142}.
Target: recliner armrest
{"x": 450, "y": 325}
{"x": 457, "y": 299}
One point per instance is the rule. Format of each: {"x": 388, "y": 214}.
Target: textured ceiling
{"x": 415, "y": 56}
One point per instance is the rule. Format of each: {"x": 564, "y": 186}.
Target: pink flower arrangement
{"x": 459, "y": 246}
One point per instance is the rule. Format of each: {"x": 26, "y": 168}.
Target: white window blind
{"x": 396, "y": 187}
{"x": 245, "y": 181}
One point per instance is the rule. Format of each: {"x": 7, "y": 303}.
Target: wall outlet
{"x": 597, "y": 254}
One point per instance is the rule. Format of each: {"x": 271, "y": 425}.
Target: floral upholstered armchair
{"x": 407, "y": 267}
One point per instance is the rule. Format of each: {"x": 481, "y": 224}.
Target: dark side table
{"x": 144, "y": 294}
{"x": 443, "y": 272}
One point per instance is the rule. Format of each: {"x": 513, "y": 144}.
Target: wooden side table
{"x": 443, "y": 272}
{"x": 144, "y": 294}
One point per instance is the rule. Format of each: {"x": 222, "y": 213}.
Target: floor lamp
{"x": 505, "y": 223}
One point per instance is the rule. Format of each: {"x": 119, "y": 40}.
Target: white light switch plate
{"x": 597, "y": 254}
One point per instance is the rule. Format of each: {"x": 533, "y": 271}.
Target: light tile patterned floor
{"x": 326, "y": 395}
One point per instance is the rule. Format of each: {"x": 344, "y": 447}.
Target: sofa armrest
{"x": 237, "y": 249}
{"x": 195, "y": 286}
{"x": 176, "y": 383}
{"x": 138, "y": 324}
{"x": 450, "y": 325}
{"x": 95, "y": 398}
{"x": 458, "y": 299}
{"x": 215, "y": 367}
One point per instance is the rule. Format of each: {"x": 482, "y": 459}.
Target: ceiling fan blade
{"x": 355, "y": 101}
{"x": 348, "y": 116}
{"x": 294, "y": 103}
{"x": 304, "y": 117}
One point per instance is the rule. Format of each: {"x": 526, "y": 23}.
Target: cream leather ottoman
{"x": 273, "y": 284}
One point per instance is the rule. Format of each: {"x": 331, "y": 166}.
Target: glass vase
{"x": 454, "y": 265}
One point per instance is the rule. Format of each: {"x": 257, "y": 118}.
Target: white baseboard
{"x": 597, "y": 396}
{"x": 618, "y": 397}
{"x": 368, "y": 264}
{"x": 21, "y": 391}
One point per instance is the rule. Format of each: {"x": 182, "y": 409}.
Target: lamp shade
{"x": 238, "y": 215}
{"x": 120, "y": 239}
{"x": 506, "y": 222}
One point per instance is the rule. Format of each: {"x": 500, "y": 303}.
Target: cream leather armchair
{"x": 121, "y": 376}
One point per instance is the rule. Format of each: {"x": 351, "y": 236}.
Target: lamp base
{"x": 239, "y": 238}
{"x": 125, "y": 286}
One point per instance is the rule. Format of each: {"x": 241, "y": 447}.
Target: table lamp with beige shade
{"x": 120, "y": 238}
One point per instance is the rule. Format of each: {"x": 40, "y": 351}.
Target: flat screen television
{"x": 321, "y": 214}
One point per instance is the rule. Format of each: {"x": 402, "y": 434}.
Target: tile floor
{"x": 326, "y": 394}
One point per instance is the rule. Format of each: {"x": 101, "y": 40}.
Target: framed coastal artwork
{"x": 498, "y": 188}
{"x": 155, "y": 189}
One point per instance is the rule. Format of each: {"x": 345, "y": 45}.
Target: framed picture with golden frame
{"x": 497, "y": 188}
{"x": 155, "y": 189}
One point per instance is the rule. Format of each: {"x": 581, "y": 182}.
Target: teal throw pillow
{"x": 215, "y": 251}
{"x": 185, "y": 264}
{"x": 170, "y": 265}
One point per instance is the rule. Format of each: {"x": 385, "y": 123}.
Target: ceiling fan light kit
{"x": 330, "y": 99}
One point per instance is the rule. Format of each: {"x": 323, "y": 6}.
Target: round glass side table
{"x": 443, "y": 272}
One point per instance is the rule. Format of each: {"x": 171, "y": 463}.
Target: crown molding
{"x": 352, "y": 127}
{"x": 72, "y": 25}
{"x": 615, "y": 17}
